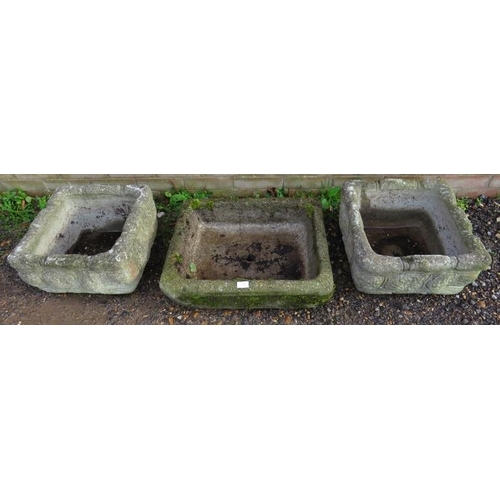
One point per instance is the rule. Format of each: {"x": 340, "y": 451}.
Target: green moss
{"x": 253, "y": 301}
{"x": 310, "y": 210}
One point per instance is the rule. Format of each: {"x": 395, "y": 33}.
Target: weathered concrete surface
{"x": 249, "y": 253}
{"x": 404, "y": 236}
{"x": 43, "y": 257}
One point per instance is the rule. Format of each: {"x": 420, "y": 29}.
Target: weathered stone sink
{"x": 405, "y": 236}
{"x": 249, "y": 253}
{"x": 89, "y": 239}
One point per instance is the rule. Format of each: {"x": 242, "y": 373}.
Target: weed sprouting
{"x": 195, "y": 204}
{"x": 281, "y": 192}
{"x": 463, "y": 203}
{"x": 172, "y": 204}
{"x": 178, "y": 197}
{"x": 330, "y": 199}
{"x": 277, "y": 192}
{"x": 479, "y": 202}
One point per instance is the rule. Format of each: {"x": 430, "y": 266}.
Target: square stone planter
{"x": 90, "y": 239}
{"x": 405, "y": 236}
{"x": 249, "y": 253}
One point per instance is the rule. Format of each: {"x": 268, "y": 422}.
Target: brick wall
{"x": 237, "y": 184}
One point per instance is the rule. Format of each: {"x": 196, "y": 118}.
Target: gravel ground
{"x": 478, "y": 304}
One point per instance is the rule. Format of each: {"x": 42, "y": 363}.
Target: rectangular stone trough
{"x": 405, "y": 236}
{"x": 90, "y": 239}
{"x": 249, "y": 253}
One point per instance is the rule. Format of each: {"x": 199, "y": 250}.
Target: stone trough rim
{"x": 56, "y": 203}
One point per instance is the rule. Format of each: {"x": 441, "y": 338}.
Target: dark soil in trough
{"x": 387, "y": 236}
{"x": 91, "y": 243}
{"x": 478, "y": 304}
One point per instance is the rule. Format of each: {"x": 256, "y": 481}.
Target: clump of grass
{"x": 17, "y": 211}
{"x": 17, "y": 207}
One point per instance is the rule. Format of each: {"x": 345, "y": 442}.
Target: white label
{"x": 243, "y": 284}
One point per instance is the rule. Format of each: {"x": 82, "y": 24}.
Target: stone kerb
{"x": 44, "y": 258}
{"x": 241, "y": 185}
{"x": 406, "y": 236}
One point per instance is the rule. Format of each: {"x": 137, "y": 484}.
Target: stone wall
{"x": 237, "y": 184}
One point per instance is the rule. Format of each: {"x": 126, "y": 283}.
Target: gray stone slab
{"x": 247, "y": 254}
{"x": 406, "y": 236}
{"x": 93, "y": 239}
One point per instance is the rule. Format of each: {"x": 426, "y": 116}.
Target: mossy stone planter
{"x": 118, "y": 222}
{"x": 404, "y": 236}
{"x": 247, "y": 254}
